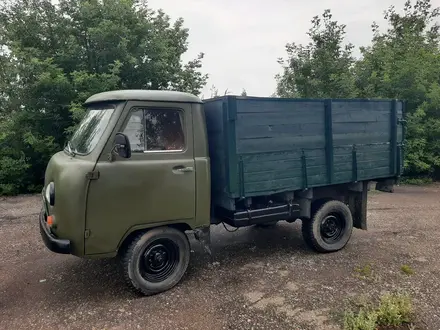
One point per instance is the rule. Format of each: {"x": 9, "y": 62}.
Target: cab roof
{"x": 143, "y": 95}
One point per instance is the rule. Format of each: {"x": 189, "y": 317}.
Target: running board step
{"x": 258, "y": 216}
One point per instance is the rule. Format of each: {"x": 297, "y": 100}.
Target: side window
{"x": 135, "y": 131}
{"x": 150, "y": 129}
{"x": 164, "y": 129}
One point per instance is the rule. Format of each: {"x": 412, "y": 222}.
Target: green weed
{"x": 393, "y": 310}
{"x": 365, "y": 271}
{"x": 363, "y": 320}
{"x": 406, "y": 269}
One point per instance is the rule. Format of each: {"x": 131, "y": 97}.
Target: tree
{"x": 54, "y": 56}
{"x": 323, "y": 68}
{"x": 404, "y": 63}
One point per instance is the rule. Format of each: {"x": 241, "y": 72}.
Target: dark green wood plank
{"x": 317, "y": 180}
{"x": 281, "y": 165}
{"x": 360, "y": 138}
{"x": 373, "y": 173}
{"x": 271, "y": 175}
{"x": 279, "y": 144}
{"x": 281, "y": 155}
{"x": 284, "y": 164}
{"x": 281, "y": 161}
{"x": 255, "y": 106}
{"x": 365, "y": 164}
{"x": 377, "y": 156}
{"x": 276, "y": 174}
{"x": 360, "y": 106}
{"x": 275, "y": 118}
{"x": 360, "y": 127}
{"x": 343, "y": 177}
{"x": 360, "y": 116}
{"x": 371, "y": 164}
{"x": 245, "y": 131}
{"x": 363, "y": 155}
{"x": 383, "y": 146}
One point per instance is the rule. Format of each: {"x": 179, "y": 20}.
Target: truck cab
{"x": 138, "y": 160}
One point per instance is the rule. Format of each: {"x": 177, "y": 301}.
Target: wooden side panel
{"x": 361, "y": 122}
{"x": 361, "y": 162}
{"x": 272, "y": 137}
{"x": 261, "y": 146}
{"x": 273, "y": 171}
{"x": 362, "y": 133}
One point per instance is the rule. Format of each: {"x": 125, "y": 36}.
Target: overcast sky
{"x": 243, "y": 39}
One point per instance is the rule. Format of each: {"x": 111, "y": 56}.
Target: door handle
{"x": 179, "y": 169}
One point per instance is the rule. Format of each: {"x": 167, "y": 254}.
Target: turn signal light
{"x": 50, "y": 220}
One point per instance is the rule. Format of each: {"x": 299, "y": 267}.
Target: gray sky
{"x": 243, "y": 39}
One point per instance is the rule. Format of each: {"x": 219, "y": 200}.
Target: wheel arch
{"x": 317, "y": 203}
{"x": 136, "y": 230}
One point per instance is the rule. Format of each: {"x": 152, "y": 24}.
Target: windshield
{"x": 91, "y": 129}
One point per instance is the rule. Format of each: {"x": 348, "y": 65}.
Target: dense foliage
{"x": 54, "y": 56}
{"x": 403, "y": 62}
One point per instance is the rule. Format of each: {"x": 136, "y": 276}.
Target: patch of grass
{"x": 418, "y": 181}
{"x": 406, "y": 269}
{"x": 394, "y": 310}
{"x": 363, "y": 320}
{"x": 365, "y": 271}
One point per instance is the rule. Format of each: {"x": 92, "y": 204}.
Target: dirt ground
{"x": 260, "y": 278}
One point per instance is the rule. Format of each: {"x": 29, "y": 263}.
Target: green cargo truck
{"x": 144, "y": 167}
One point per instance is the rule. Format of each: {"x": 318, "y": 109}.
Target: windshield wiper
{"x": 69, "y": 149}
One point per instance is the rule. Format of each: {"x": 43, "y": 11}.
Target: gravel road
{"x": 260, "y": 278}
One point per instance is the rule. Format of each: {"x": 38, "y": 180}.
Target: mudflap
{"x": 357, "y": 201}
{"x": 203, "y": 235}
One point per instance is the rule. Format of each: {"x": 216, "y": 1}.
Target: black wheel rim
{"x": 332, "y": 228}
{"x": 159, "y": 260}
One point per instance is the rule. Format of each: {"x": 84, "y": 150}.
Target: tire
{"x": 156, "y": 260}
{"x": 330, "y": 227}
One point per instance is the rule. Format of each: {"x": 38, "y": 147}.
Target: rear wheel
{"x": 155, "y": 261}
{"x": 330, "y": 227}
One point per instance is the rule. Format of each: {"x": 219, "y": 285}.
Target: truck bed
{"x": 263, "y": 146}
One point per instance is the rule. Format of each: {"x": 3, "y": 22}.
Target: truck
{"x": 145, "y": 168}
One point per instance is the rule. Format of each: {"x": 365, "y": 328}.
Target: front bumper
{"x": 52, "y": 243}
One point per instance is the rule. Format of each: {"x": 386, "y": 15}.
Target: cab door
{"x": 155, "y": 186}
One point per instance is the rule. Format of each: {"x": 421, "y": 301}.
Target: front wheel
{"x": 155, "y": 261}
{"x": 330, "y": 227}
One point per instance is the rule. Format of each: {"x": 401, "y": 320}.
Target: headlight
{"x": 50, "y": 193}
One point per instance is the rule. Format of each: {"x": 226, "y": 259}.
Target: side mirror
{"x": 122, "y": 145}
